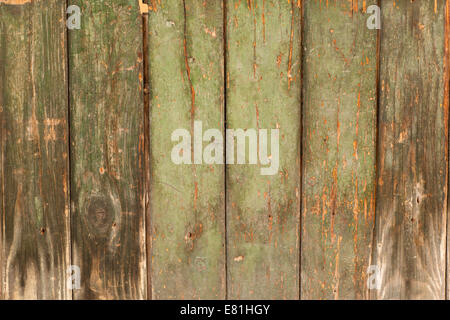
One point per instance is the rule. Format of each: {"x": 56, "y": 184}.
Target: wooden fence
{"x": 356, "y": 210}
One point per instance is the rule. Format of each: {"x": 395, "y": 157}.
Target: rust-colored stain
{"x": 153, "y": 7}
{"x": 264, "y": 21}
{"x": 291, "y": 43}
{"x": 188, "y": 69}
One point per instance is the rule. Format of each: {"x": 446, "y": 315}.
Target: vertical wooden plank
{"x": 339, "y": 139}
{"x": 186, "y": 201}
{"x": 263, "y": 92}
{"x": 412, "y": 186}
{"x": 446, "y": 106}
{"x": 107, "y": 152}
{"x": 35, "y": 215}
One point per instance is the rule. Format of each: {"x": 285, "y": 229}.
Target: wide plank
{"x": 186, "y": 200}
{"x": 410, "y": 239}
{"x": 339, "y": 149}
{"x": 263, "y": 82}
{"x": 34, "y": 144}
{"x": 107, "y": 150}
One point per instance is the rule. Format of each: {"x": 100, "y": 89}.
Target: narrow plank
{"x": 446, "y": 106}
{"x": 412, "y": 186}
{"x": 35, "y": 217}
{"x": 339, "y": 144}
{"x": 264, "y": 92}
{"x": 186, "y": 201}
{"x": 107, "y": 150}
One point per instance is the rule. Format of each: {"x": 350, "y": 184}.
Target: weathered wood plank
{"x": 107, "y": 151}
{"x": 412, "y": 186}
{"x": 339, "y": 144}
{"x": 446, "y": 106}
{"x": 35, "y": 215}
{"x": 186, "y": 201}
{"x": 263, "y": 92}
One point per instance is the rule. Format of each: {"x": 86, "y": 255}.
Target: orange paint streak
{"x": 355, "y": 143}
{"x": 153, "y": 6}
{"x": 195, "y": 195}
{"x": 291, "y": 41}
{"x": 188, "y": 71}
{"x": 355, "y": 5}
{"x": 264, "y": 22}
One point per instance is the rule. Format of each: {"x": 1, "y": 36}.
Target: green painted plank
{"x": 107, "y": 150}
{"x": 264, "y": 92}
{"x": 35, "y": 215}
{"x": 186, "y": 201}
{"x": 412, "y": 186}
{"x": 339, "y": 149}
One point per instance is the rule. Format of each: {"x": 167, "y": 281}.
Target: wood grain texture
{"x": 412, "y": 186}
{"x": 263, "y": 92}
{"x": 34, "y": 170}
{"x": 87, "y": 176}
{"x": 339, "y": 138}
{"x": 186, "y": 201}
{"x": 107, "y": 150}
{"x": 446, "y": 106}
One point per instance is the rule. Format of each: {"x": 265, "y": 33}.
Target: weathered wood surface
{"x": 410, "y": 229}
{"x": 447, "y": 105}
{"x": 107, "y": 150}
{"x": 339, "y": 137}
{"x": 34, "y": 170}
{"x": 77, "y": 129}
{"x": 186, "y": 201}
{"x": 263, "y": 92}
